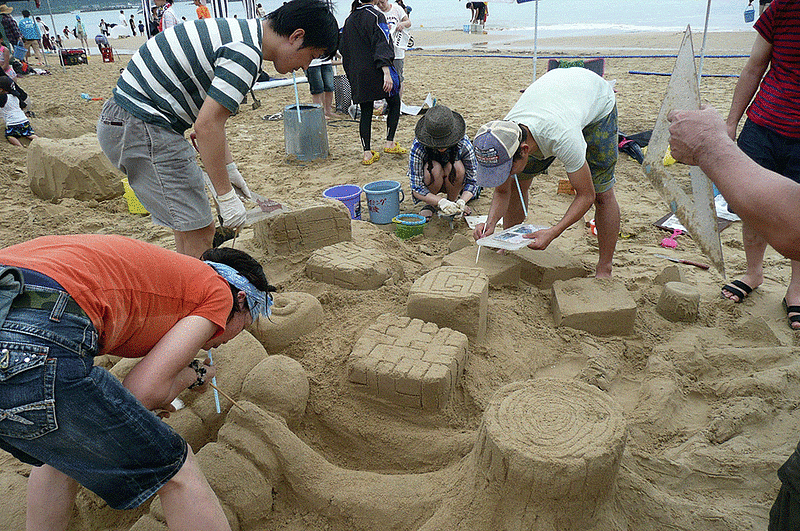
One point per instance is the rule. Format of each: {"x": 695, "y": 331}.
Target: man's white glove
{"x": 232, "y": 210}
{"x": 237, "y": 181}
{"x": 448, "y": 207}
{"x": 461, "y": 204}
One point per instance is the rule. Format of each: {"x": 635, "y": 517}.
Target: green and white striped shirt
{"x": 169, "y": 77}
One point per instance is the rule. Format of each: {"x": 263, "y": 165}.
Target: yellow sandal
{"x": 396, "y": 150}
{"x": 374, "y": 158}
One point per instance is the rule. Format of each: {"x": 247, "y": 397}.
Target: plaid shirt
{"x": 416, "y": 167}
{"x": 11, "y": 30}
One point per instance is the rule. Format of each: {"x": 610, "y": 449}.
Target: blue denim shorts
{"x": 57, "y": 408}
{"x": 320, "y": 79}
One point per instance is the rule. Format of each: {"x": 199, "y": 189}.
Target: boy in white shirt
{"x": 568, "y": 114}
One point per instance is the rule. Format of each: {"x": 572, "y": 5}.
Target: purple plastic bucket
{"x": 349, "y": 194}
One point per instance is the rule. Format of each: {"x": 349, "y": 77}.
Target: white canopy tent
{"x": 218, "y": 8}
{"x": 535, "y": 27}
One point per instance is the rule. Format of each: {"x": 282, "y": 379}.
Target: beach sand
{"x": 709, "y": 405}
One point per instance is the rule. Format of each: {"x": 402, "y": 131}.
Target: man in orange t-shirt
{"x": 66, "y": 299}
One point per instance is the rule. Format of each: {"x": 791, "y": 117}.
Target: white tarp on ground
{"x": 119, "y": 31}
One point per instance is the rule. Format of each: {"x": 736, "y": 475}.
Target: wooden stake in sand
{"x": 696, "y": 212}
{"x": 223, "y": 393}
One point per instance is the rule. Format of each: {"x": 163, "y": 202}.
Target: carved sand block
{"x": 602, "y": 307}
{"x": 351, "y": 266}
{"x": 679, "y": 302}
{"x": 671, "y": 273}
{"x": 408, "y": 362}
{"x": 452, "y": 297}
{"x": 502, "y": 270}
{"x": 294, "y": 314}
{"x": 306, "y": 228}
{"x": 75, "y": 168}
{"x": 552, "y": 448}
{"x": 542, "y": 268}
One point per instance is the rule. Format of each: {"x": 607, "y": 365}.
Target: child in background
{"x": 12, "y": 100}
{"x": 5, "y": 61}
{"x": 202, "y": 9}
{"x": 442, "y": 161}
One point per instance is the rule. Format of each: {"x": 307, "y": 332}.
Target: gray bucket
{"x": 306, "y": 138}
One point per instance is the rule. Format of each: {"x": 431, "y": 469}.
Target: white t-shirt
{"x": 12, "y": 114}
{"x": 556, "y": 108}
{"x": 168, "y": 18}
{"x": 319, "y": 62}
{"x": 393, "y": 17}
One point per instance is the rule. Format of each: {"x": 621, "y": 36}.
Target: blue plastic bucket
{"x": 349, "y": 194}
{"x": 383, "y": 200}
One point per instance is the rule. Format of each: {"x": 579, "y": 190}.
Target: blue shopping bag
{"x": 20, "y": 52}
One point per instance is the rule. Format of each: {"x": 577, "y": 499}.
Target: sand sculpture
{"x": 546, "y": 456}
{"x": 293, "y": 315}
{"x": 303, "y": 228}
{"x": 408, "y": 362}
{"x": 74, "y": 168}
{"x": 679, "y": 302}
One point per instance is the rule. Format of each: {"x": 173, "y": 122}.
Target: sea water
{"x": 556, "y": 18}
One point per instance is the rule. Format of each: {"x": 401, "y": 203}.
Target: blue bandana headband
{"x": 260, "y": 303}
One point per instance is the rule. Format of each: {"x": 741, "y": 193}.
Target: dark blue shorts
{"x": 771, "y": 150}
{"x": 23, "y": 130}
{"x": 57, "y": 408}
{"x": 320, "y": 79}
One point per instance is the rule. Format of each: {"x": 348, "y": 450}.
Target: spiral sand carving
{"x": 555, "y": 447}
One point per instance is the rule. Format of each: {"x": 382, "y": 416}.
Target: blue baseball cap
{"x": 260, "y": 303}
{"x": 495, "y": 144}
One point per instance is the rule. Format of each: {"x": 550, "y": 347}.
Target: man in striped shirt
{"x": 197, "y": 74}
{"x": 771, "y": 133}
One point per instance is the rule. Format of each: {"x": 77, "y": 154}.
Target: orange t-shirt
{"x": 203, "y": 12}
{"x": 133, "y": 291}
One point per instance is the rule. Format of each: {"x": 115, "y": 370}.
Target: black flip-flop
{"x": 738, "y": 288}
{"x": 792, "y": 318}
{"x": 428, "y": 208}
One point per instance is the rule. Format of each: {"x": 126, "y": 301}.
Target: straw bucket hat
{"x": 440, "y": 128}
{"x": 5, "y": 10}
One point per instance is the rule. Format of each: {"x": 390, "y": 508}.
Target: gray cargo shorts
{"x": 161, "y": 167}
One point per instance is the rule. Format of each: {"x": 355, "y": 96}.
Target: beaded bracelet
{"x": 201, "y": 373}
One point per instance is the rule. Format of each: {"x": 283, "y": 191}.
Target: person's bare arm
{"x": 749, "y": 79}
{"x": 581, "y": 181}
{"x": 404, "y": 23}
{"x": 767, "y": 201}
{"x": 501, "y": 197}
{"x": 164, "y": 372}
{"x": 212, "y": 143}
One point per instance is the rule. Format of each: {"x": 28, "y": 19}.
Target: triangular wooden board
{"x": 698, "y": 212}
